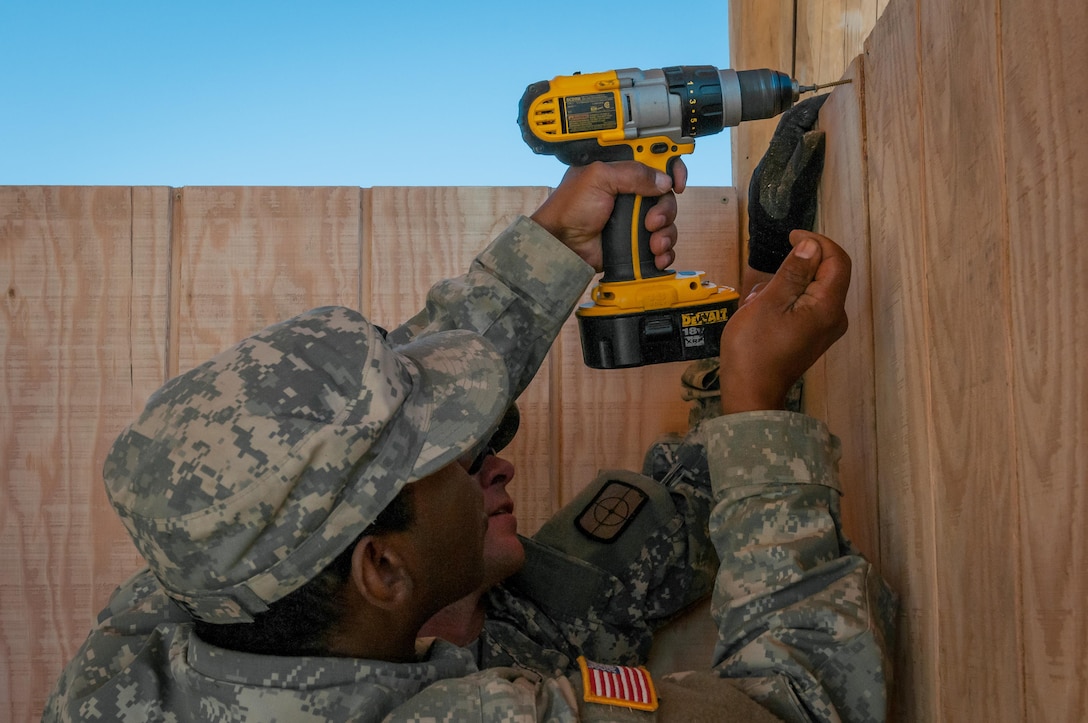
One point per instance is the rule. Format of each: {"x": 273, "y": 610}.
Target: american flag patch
{"x": 618, "y": 685}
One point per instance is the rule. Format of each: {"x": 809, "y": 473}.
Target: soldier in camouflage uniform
{"x": 247, "y": 479}
{"x": 603, "y": 592}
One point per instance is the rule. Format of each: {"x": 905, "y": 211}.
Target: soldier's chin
{"x": 503, "y": 552}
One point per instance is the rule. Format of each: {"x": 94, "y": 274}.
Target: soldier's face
{"x": 503, "y": 551}
{"x": 449, "y": 528}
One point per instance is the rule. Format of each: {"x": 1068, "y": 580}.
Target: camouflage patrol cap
{"x": 246, "y": 476}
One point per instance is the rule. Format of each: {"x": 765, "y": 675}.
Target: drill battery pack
{"x": 614, "y": 339}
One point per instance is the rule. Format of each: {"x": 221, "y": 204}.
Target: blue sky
{"x": 316, "y": 93}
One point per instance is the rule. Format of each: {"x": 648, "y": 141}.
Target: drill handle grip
{"x": 625, "y": 242}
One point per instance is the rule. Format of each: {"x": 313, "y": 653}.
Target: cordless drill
{"x": 640, "y": 314}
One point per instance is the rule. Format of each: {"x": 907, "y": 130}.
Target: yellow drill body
{"x": 639, "y": 313}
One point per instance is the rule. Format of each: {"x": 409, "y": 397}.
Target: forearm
{"x": 517, "y": 293}
{"x": 802, "y": 616}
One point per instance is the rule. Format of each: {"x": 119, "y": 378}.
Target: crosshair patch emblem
{"x": 613, "y": 508}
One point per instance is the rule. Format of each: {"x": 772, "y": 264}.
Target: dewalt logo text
{"x": 701, "y": 318}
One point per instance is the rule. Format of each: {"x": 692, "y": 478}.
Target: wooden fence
{"x": 956, "y": 177}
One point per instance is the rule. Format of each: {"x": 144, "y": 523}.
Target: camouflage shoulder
{"x": 526, "y": 257}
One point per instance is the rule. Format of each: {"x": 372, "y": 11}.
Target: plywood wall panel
{"x": 149, "y": 323}
{"x": 416, "y": 236}
{"x": 976, "y": 196}
{"x": 901, "y": 347}
{"x": 761, "y": 35}
{"x": 965, "y": 238}
{"x": 84, "y": 318}
{"x": 812, "y": 40}
{"x": 1046, "y": 107}
{"x": 829, "y": 35}
{"x": 246, "y": 257}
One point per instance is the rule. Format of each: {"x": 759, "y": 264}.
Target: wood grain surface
{"x": 761, "y": 35}
{"x": 245, "y": 258}
{"x": 966, "y": 258}
{"x": 975, "y": 281}
{"x": 84, "y": 283}
{"x": 1042, "y": 45}
{"x": 901, "y": 352}
{"x": 829, "y": 35}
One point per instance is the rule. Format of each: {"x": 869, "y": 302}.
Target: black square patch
{"x": 610, "y": 512}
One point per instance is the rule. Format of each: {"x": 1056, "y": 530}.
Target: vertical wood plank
{"x": 145, "y": 303}
{"x": 965, "y": 237}
{"x": 1046, "y": 106}
{"x": 609, "y": 417}
{"x": 840, "y": 388}
{"x": 901, "y": 347}
{"x": 417, "y": 236}
{"x": 761, "y": 35}
{"x": 245, "y": 258}
{"x": 812, "y": 40}
{"x": 829, "y": 35}
{"x": 84, "y": 283}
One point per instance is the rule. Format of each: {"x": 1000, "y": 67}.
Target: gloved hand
{"x": 782, "y": 192}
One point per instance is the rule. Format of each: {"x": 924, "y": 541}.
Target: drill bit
{"x": 814, "y": 88}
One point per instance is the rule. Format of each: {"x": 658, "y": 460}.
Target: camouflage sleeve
{"x": 517, "y": 294}
{"x": 805, "y": 622}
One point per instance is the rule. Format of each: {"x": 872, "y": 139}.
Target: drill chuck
{"x": 764, "y": 93}
{"x": 718, "y": 99}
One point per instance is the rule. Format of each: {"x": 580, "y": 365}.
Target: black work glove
{"x": 782, "y": 193}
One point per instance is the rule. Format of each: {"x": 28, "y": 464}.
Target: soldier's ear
{"x": 380, "y": 573}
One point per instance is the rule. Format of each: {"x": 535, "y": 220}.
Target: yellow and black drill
{"x": 640, "y": 314}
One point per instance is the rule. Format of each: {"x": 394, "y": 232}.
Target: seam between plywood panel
{"x": 1010, "y": 364}
{"x": 793, "y": 44}
{"x": 859, "y": 81}
{"x": 365, "y": 251}
{"x": 168, "y": 322}
{"x": 892, "y": 114}
{"x": 130, "y": 322}
{"x": 173, "y": 285}
{"x": 927, "y": 381}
